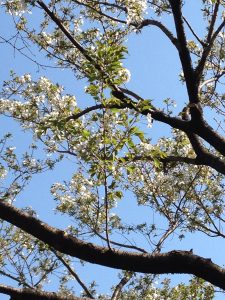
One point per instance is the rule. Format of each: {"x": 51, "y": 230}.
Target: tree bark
{"x": 175, "y": 262}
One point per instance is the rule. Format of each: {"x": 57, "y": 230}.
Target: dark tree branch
{"x": 17, "y": 279}
{"x": 196, "y": 126}
{"x": 84, "y": 112}
{"x": 34, "y": 294}
{"x": 200, "y": 127}
{"x": 193, "y": 32}
{"x": 162, "y": 27}
{"x": 201, "y": 65}
{"x": 131, "y": 93}
{"x": 158, "y": 263}
{"x": 117, "y": 292}
{"x": 204, "y": 157}
{"x": 184, "y": 52}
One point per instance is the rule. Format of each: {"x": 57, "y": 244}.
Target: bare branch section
{"x": 206, "y": 51}
{"x": 74, "y": 274}
{"x": 163, "y": 28}
{"x": 28, "y": 294}
{"x": 120, "y": 286}
{"x": 184, "y": 52}
{"x": 158, "y": 263}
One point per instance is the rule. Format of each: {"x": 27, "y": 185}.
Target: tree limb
{"x": 34, "y": 294}
{"x": 196, "y": 126}
{"x": 117, "y": 292}
{"x": 184, "y": 52}
{"x": 157, "y": 263}
{"x": 200, "y": 67}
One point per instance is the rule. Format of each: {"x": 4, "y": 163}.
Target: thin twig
{"x": 74, "y": 274}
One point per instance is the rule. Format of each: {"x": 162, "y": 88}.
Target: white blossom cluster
{"x": 43, "y": 103}
{"x": 3, "y": 172}
{"x": 135, "y": 10}
{"x": 149, "y": 120}
{"x": 124, "y": 75}
{"x": 76, "y": 197}
{"x": 16, "y": 7}
{"x": 46, "y": 38}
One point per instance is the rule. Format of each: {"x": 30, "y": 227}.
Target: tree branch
{"x": 193, "y": 32}
{"x": 66, "y": 32}
{"x": 144, "y": 23}
{"x": 204, "y": 130}
{"x": 163, "y": 28}
{"x": 117, "y": 292}
{"x": 196, "y": 126}
{"x": 120, "y": 244}
{"x": 34, "y": 294}
{"x": 204, "y": 157}
{"x": 210, "y": 41}
{"x": 158, "y": 263}
{"x": 184, "y": 52}
{"x": 76, "y": 44}
{"x": 74, "y": 274}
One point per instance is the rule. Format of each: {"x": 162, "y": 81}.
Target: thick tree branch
{"x": 28, "y": 294}
{"x": 204, "y": 157}
{"x": 158, "y": 263}
{"x": 196, "y": 126}
{"x": 163, "y": 28}
{"x": 184, "y": 52}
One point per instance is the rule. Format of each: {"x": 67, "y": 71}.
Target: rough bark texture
{"x": 159, "y": 263}
{"x": 32, "y": 294}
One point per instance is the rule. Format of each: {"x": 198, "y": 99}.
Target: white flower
{"x": 3, "y": 173}
{"x": 25, "y": 78}
{"x": 47, "y": 38}
{"x": 17, "y": 7}
{"x": 149, "y": 120}
{"x": 124, "y": 74}
{"x": 136, "y": 9}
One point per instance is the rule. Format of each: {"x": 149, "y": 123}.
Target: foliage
{"x": 110, "y": 139}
